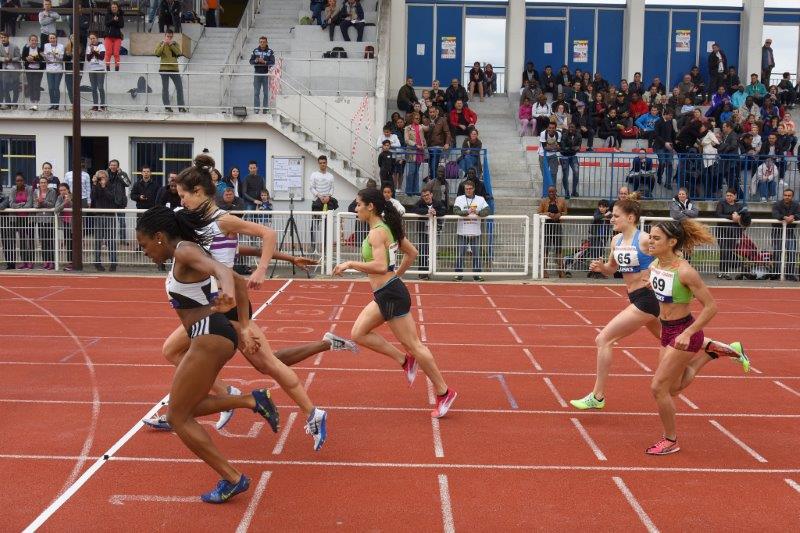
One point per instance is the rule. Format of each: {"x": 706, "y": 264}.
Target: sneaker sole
{"x": 224, "y": 418}
{"x": 323, "y": 432}
{"x": 587, "y": 407}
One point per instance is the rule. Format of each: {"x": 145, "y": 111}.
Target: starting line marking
{"x": 758, "y": 457}
{"x": 447, "y": 509}
{"x": 786, "y": 387}
{"x": 254, "y": 501}
{"x": 532, "y": 359}
{"x": 555, "y": 392}
{"x": 688, "y": 402}
{"x": 120, "y": 499}
{"x": 792, "y": 483}
{"x": 634, "y": 503}
{"x": 589, "y": 440}
{"x": 635, "y": 360}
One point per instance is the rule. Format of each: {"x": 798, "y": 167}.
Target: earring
{"x": 159, "y": 243}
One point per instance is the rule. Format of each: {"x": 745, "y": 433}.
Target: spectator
{"x": 439, "y": 137}
{"x": 600, "y": 85}
{"x": 394, "y": 141}
{"x": 8, "y": 20}
{"x": 169, "y": 16}
{"x": 385, "y": 163}
{"x": 717, "y": 67}
{"x": 471, "y": 153}
{"x": 86, "y": 184}
{"x": 228, "y": 201}
{"x": 787, "y": 93}
{"x": 529, "y": 74}
{"x": 647, "y": 125}
{"x": 64, "y": 201}
{"x": 541, "y": 112}
{"x": 549, "y": 81}
{"x": 471, "y": 208}
{"x": 388, "y": 195}
{"x": 11, "y": 64}
{"x": 145, "y": 191}
{"x": 756, "y": 89}
{"x": 553, "y": 208}
{"x": 775, "y": 147}
{"x": 104, "y": 196}
{"x": 330, "y": 18}
{"x": 113, "y": 39}
{"x": 549, "y": 145}
{"x": 265, "y": 205}
{"x": 7, "y": 232}
{"x": 33, "y": 62}
{"x": 719, "y": 98}
{"x": 732, "y": 80}
{"x": 262, "y": 58}
{"x": 47, "y": 173}
{"x": 21, "y": 197}
{"x": 700, "y": 85}
{"x": 454, "y": 93}
{"x": 47, "y": 21}
{"x": 739, "y": 97}
{"x": 663, "y": 145}
{"x": 218, "y": 182}
{"x": 168, "y": 195}
{"x": 54, "y": 56}
{"x": 322, "y": 192}
{"x": 636, "y": 86}
{"x": 584, "y": 124}
{"x": 767, "y": 61}
{"x": 530, "y": 92}
{"x": 211, "y": 7}
{"x": 526, "y": 122}
{"x": 169, "y": 52}
{"x": 426, "y": 207}
{"x": 561, "y": 116}
{"x": 658, "y": 85}
{"x": 438, "y": 97}
{"x": 729, "y": 234}
{"x": 641, "y": 175}
{"x": 787, "y": 212}
{"x": 462, "y": 119}
{"x": 711, "y": 167}
{"x": 570, "y": 145}
{"x": 406, "y": 96}
{"x": 729, "y": 156}
{"x": 476, "y": 80}
{"x": 119, "y": 181}
{"x": 489, "y": 80}
{"x": 233, "y": 180}
{"x": 95, "y": 52}
{"x": 45, "y": 198}
{"x": 653, "y": 98}
{"x": 789, "y": 131}
{"x": 681, "y": 206}
{"x": 317, "y": 7}
{"x": 599, "y": 234}
{"x": 415, "y": 150}
{"x": 352, "y": 14}
{"x": 764, "y": 182}
{"x": 637, "y": 106}
{"x": 70, "y": 53}
{"x": 253, "y": 185}
{"x": 611, "y": 129}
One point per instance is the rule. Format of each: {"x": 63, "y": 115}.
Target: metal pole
{"x": 77, "y": 171}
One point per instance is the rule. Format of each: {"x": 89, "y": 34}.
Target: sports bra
{"x": 629, "y": 257}
{"x": 391, "y": 250}
{"x": 222, "y": 248}
{"x": 189, "y": 295}
{"x": 668, "y": 287}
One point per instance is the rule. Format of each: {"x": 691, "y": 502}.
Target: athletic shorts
{"x": 215, "y": 324}
{"x": 645, "y": 300}
{"x": 670, "y": 329}
{"x": 233, "y": 314}
{"x": 393, "y": 299}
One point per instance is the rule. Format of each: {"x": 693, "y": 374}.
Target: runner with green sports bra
{"x": 392, "y": 302}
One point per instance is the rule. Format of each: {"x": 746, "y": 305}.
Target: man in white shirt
{"x": 54, "y": 57}
{"x": 549, "y": 144}
{"x": 471, "y": 208}
{"x": 86, "y": 184}
{"x": 322, "y": 192}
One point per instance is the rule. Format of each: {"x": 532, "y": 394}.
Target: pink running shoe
{"x": 443, "y": 403}
{"x": 410, "y": 367}
{"x": 663, "y": 447}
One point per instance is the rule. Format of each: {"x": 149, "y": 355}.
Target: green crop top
{"x": 391, "y": 250}
{"x": 667, "y": 285}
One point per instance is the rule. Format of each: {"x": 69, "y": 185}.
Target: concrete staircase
{"x": 210, "y": 53}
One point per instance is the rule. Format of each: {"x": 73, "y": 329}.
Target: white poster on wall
{"x": 548, "y": 48}
{"x": 420, "y": 49}
{"x": 710, "y": 46}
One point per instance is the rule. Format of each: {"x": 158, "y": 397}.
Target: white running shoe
{"x": 225, "y": 416}
{"x": 158, "y": 422}
{"x": 340, "y": 343}
{"x": 317, "y": 427}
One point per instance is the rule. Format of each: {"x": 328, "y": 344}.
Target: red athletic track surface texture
{"x": 81, "y": 364}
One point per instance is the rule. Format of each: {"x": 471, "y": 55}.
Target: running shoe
{"x": 443, "y": 403}
{"x": 266, "y": 408}
{"x": 225, "y": 416}
{"x": 588, "y": 402}
{"x": 225, "y": 490}
{"x": 317, "y": 427}
{"x": 663, "y": 447}
{"x": 743, "y": 359}
{"x": 158, "y": 422}
{"x": 340, "y": 343}
{"x": 410, "y": 367}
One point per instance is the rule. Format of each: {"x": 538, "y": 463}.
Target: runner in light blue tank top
{"x": 630, "y": 257}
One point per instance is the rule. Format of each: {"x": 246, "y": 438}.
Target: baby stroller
{"x": 755, "y": 264}
{"x": 578, "y": 259}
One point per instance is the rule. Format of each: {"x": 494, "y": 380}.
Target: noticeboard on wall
{"x": 287, "y": 177}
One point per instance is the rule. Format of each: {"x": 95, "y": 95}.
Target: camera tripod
{"x": 291, "y": 229}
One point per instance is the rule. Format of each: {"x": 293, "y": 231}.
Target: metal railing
{"x": 501, "y": 78}
{"x": 239, "y": 40}
{"x": 600, "y": 175}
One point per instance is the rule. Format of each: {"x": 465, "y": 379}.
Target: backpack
{"x": 305, "y": 21}
{"x": 338, "y": 53}
{"x": 451, "y": 170}
{"x": 630, "y": 133}
{"x": 369, "y": 52}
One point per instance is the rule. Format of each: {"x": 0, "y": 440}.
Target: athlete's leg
{"x": 292, "y": 356}
{"x": 405, "y": 329}
{"x": 669, "y": 370}
{"x": 363, "y": 334}
{"x": 176, "y": 346}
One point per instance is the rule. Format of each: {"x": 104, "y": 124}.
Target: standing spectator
{"x": 234, "y": 181}
{"x": 476, "y": 80}
{"x": 95, "y": 54}
{"x": 47, "y": 20}
{"x": 45, "y": 198}
{"x": 119, "y": 181}
{"x": 71, "y": 52}
{"x": 47, "y": 173}
{"x": 352, "y": 14}
{"x": 728, "y": 150}
{"x": 717, "y": 68}
{"x": 218, "y": 182}
{"x": 262, "y": 59}
{"x": 414, "y": 135}
{"x": 426, "y": 207}
{"x": 113, "y": 40}
{"x": 729, "y": 234}
{"x": 711, "y": 167}
{"x": 7, "y": 232}
{"x": 253, "y": 185}
{"x": 663, "y": 145}
{"x": 86, "y": 184}
{"x": 549, "y": 146}
{"x": 489, "y": 80}
{"x": 168, "y": 195}
{"x": 471, "y": 208}
{"x": 230, "y": 202}
{"x": 764, "y": 182}
{"x": 145, "y": 190}
{"x": 599, "y": 234}
{"x": 210, "y": 8}
{"x": 541, "y": 112}
{"x": 553, "y": 208}
{"x": 584, "y": 124}
{"x": 526, "y": 123}
{"x": 385, "y": 163}
{"x": 22, "y": 197}
{"x": 681, "y": 206}
{"x": 787, "y": 212}
{"x": 105, "y": 196}
{"x": 322, "y": 191}
{"x": 54, "y": 56}
{"x": 388, "y": 194}
{"x": 439, "y": 138}
{"x": 767, "y": 61}
{"x": 8, "y": 20}
{"x": 406, "y": 96}
{"x": 169, "y": 52}
{"x": 33, "y": 62}
{"x": 64, "y": 201}
{"x": 169, "y": 15}
{"x": 570, "y": 146}
{"x": 11, "y": 65}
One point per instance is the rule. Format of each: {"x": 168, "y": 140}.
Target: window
{"x": 162, "y": 156}
{"x": 17, "y": 154}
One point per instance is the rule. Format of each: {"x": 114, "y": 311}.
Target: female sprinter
{"x": 392, "y": 301}
{"x": 627, "y": 255}
{"x": 675, "y": 281}
{"x": 192, "y": 290}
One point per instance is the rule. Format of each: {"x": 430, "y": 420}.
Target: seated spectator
{"x": 352, "y": 14}
{"x": 641, "y": 175}
{"x": 732, "y": 80}
{"x": 600, "y": 85}
{"x": 637, "y": 106}
{"x": 647, "y": 123}
{"x": 658, "y": 85}
{"x": 553, "y": 208}
{"x": 578, "y": 95}
{"x": 549, "y": 81}
{"x": 756, "y": 89}
{"x": 654, "y": 98}
{"x": 406, "y": 96}
{"x": 788, "y": 132}
{"x": 770, "y": 109}
{"x": 530, "y": 74}
{"x": 416, "y": 109}
{"x": 477, "y": 180}
{"x": 230, "y": 202}
{"x": 462, "y": 119}
{"x": 681, "y": 206}
{"x": 454, "y": 93}
{"x": 610, "y": 129}
{"x": 727, "y": 113}
{"x": 562, "y": 117}
{"x": 770, "y": 125}
{"x": 489, "y": 80}
{"x": 584, "y": 124}
{"x": 330, "y": 18}
{"x": 787, "y": 92}
{"x": 317, "y": 7}
{"x": 540, "y": 112}
{"x": 564, "y": 78}
{"x": 686, "y": 112}
{"x": 719, "y": 98}
{"x": 738, "y": 97}
{"x": 471, "y": 208}
{"x": 764, "y": 183}
{"x": 476, "y": 80}
{"x": 471, "y": 153}
{"x": 526, "y": 123}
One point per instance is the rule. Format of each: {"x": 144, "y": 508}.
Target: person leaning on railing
{"x": 105, "y": 196}
{"x": 64, "y": 201}
{"x": 21, "y": 197}
{"x": 787, "y": 211}
{"x": 729, "y": 234}
{"x": 553, "y": 207}
{"x": 427, "y": 207}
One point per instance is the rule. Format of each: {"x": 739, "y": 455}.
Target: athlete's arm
{"x": 233, "y": 224}
{"x": 694, "y": 282}
{"x": 197, "y": 259}
{"x": 377, "y": 238}
{"x": 606, "y": 268}
{"x": 410, "y": 254}
{"x": 304, "y": 263}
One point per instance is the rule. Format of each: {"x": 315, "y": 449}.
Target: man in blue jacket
{"x": 647, "y": 125}
{"x": 262, "y": 59}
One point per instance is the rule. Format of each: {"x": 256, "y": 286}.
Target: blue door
{"x": 727, "y": 35}
{"x": 549, "y": 33}
{"x": 239, "y": 153}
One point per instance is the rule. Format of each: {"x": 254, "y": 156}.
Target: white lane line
{"x": 284, "y": 434}
{"x": 754, "y": 369}
{"x": 565, "y": 304}
{"x": 447, "y": 509}
{"x": 512, "y": 402}
{"x": 583, "y": 318}
{"x": 555, "y": 392}
{"x": 338, "y": 314}
{"x": 483, "y": 289}
{"x": 794, "y": 484}
{"x": 67, "y": 357}
{"x": 419, "y": 300}
{"x": 438, "y": 449}
{"x": 757, "y": 456}
{"x": 502, "y": 316}
{"x": 254, "y": 501}
{"x": 431, "y": 395}
{"x": 532, "y": 359}
{"x": 786, "y": 387}
{"x": 271, "y": 299}
{"x": 588, "y": 439}
{"x": 634, "y": 503}
{"x": 120, "y": 499}
{"x": 635, "y": 360}
{"x": 491, "y": 302}
{"x": 548, "y": 291}
{"x": 688, "y": 402}
{"x": 514, "y": 334}
{"x": 309, "y": 379}
{"x": 423, "y": 334}
{"x": 419, "y": 312}
{"x": 416, "y": 288}
{"x": 612, "y": 291}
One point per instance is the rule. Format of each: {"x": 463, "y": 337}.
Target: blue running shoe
{"x": 266, "y": 408}
{"x": 317, "y": 427}
{"x": 226, "y": 490}
{"x": 157, "y": 422}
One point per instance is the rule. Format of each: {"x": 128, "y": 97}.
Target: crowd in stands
{"x": 330, "y": 15}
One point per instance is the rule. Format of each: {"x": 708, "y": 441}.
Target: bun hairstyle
{"x": 630, "y": 206}
{"x": 183, "y": 224}
{"x": 198, "y": 175}
{"x": 385, "y": 209}
{"x": 687, "y": 232}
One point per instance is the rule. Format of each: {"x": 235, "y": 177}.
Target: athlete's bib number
{"x": 393, "y": 256}
{"x": 662, "y": 283}
{"x": 627, "y": 259}
{"x": 624, "y": 259}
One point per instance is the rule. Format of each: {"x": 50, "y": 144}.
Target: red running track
{"x": 81, "y": 365}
